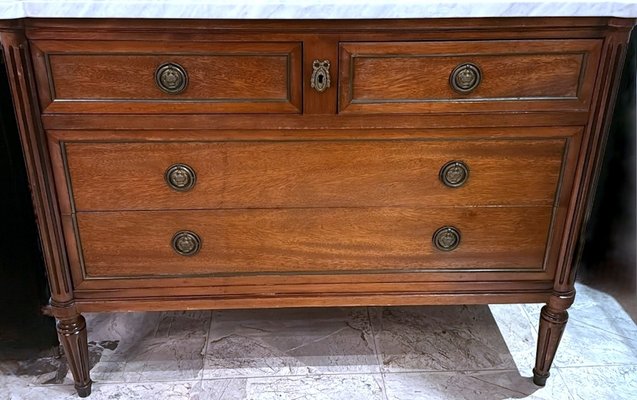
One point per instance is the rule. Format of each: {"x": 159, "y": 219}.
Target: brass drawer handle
{"x": 465, "y": 78}
{"x": 180, "y": 177}
{"x": 171, "y": 78}
{"x": 186, "y": 243}
{"x": 446, "y": 238}
{"x": 454, "y": 174}
{"x": 320, "y": 75}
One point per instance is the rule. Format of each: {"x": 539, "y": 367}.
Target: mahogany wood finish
{"x": 130, "y": 176}
{"x": 72, "y": 333}
{"x": 412, "y": 77}
{"x": 307, "y": 198}
{"x": 129, "y": 244}
{"x": 119, "y": 77}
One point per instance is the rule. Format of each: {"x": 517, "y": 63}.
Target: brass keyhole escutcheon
{"x": 320, "y": 80}
{"x": 465, "y": 78}
{"x": 171, "y": 78}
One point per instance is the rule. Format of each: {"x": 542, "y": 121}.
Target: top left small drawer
{"x": 168, "y": 77}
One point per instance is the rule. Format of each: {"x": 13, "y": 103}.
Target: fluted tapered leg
{"x": 553, "y": 320}
{"x": 72, "y": 332}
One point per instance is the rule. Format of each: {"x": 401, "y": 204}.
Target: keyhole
{"x": 320, "y": 79}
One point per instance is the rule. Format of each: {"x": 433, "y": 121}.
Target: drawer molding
{"x": 83, "y": 77}
{"x": 526, "y": 75}
{"x": 311, "y": 173}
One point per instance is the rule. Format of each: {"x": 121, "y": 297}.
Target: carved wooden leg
{"x": 553, "y": 320}
{"x": 72, "y": 332}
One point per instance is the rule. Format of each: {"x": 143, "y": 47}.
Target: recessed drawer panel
{"x": 477, "y": 76}
{"x": 169, "y": 77}
{"x": 210, "y": 175}
{"x": 184, "y": 243}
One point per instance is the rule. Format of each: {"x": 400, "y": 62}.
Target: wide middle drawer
{"x": 248, "y": 174}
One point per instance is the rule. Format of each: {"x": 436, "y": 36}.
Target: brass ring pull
{"x": 186, "y": 243}
{"x": 465, "y": 78}
{"x": 446, "y": 238}
{"x": 171, "y": 78}
{"x": 454, "y": 174}
{"x": 180, "y": 177}
{"x": 320, "y": 80}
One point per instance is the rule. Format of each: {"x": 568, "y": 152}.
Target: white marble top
{"x": 313, "y": 9}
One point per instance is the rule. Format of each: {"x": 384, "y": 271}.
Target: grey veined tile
{"x": 16, "y": 388}
{"x": 471, "y": 386}
{"x": 142, "y": 391}
{"x": 597, "y": 383}
{"x": 315, "y": 387}
{"x": 599, "y": 331}
{"x": 600, "y": 310}
{"x": 582, "y": 345}
{"x": 289, "y": 342}
{"x": 439, "y": 338}
{"x": 143, "y": 347}
{"x": 595, "y": 309}
{"x": 50, "y": 370}
{"x": 518, "y": 333}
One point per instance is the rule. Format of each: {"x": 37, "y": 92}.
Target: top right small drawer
{"x": 467, "y": 76}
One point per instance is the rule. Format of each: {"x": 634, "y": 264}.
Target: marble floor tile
{"x": 439, "y": 338}
{"x": 476, "y": 385}
{"x": 518, "y": 333}
{"x": 601, "y": 311}
{"x": 142, "y": 347}
{"x": 595, "y": 308}
{"x": 221, "y": 389}
{"x": 49, "y": 369}
{"x": 16, "y": 388}
{"x": 315, "y": 387}
{"x": 289, "y": 342}
{"x": 142, "y": 391}
{"x": 608, "y": 382}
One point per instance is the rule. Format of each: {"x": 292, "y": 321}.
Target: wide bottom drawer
{"x": 248, "y": 241}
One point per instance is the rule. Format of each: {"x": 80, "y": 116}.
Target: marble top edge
{"x": 313, "y": 9}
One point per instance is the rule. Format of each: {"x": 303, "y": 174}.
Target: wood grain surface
{"x": 245, "y": 174}
{"x": 297, "y": 240}
{"x": 120, "y": 77}
{"x": 412, "y": 77}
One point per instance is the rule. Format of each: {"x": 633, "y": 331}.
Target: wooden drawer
{"x": 132, "y": 176}
{"x": 137, "y": 244}
{"x": 511, "y": 75}
{"x": 126, "y": 77}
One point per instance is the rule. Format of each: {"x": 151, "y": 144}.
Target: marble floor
{"x": 408, "y": 353}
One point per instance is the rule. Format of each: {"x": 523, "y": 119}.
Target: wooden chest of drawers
{"x": 229, "y": 164}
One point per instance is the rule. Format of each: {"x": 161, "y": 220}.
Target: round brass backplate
{"x": 446, "y": 238}
{"x": 465, "y": 78}
{"x": 171, "y": 78}
{"x": 186, "y": 243}
{"x": 454, "y": 174}
{"x": 180, "y": 177}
